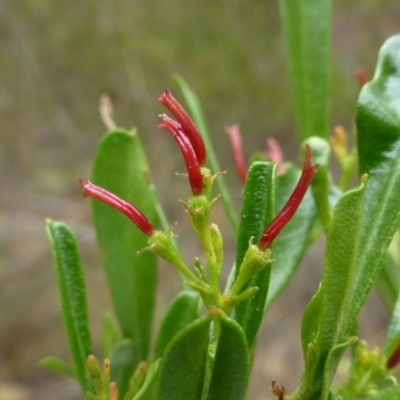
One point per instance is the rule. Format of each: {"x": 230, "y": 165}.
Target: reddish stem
{"x": 188, "y": 126}
{"x": 96, "y": 192}
{"x": 189, "y": 155}
{"x": 291, "y": 206}
{"x": 233, "y": 133}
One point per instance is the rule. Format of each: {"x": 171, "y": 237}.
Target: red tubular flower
{"x": 275, "y": 153}
{"x": 188, "y": 127}
{"x": 291, "y": 205}
{"x": 233, "y": 133}
{"x": 96, "y": 192}
{"x": 362, "y": 76}
{"x": 189, "y": 155}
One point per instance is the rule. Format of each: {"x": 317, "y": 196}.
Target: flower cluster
{"x": 198, "y": 206}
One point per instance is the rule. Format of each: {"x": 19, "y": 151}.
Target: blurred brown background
{"x": 57, "y": 58}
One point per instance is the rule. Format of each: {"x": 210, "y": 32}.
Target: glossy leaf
{"x": 306, "y": 26}
{"x": 182, "y": 367}
{"x": 378, "y": 127}
{"x": 231, "y": 364}
{"x": 149, "y": 389}
{"x": 71, "y": 286}
{"x": 123, "y": 364}
{"x": 182, "y": 311}
{"x": 120, "y": 167}
{"x": 258, "y": 210}
{"x": 198, "y": 117}
{"x": 291, "y": 244}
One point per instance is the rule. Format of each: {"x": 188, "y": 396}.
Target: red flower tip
{"x": 96, "y": 192}
{"x": 233, "y": 132}
{"x": 362, "y": 76}
{"x": 188, "y": 126}
{"x": 394, "y": 359}
{"x": 291, "y": 205}
{"x": 275, "y": 153}
{"x": 189, "y": 155}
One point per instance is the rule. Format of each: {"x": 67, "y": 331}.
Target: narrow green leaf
{"x": 120, "y": 167}
{"x": 109, "y": 334}
{"x": 182, "y": 311}
{"x": 182, "y": 367}
{"x": 310, "y": 321}
{"x": 123, "y": 365}
{"x": 295, "y": 236}
{"x": 231, "y": 365}
{"x": 306, "y": 26}
{"x": 257, "y": 211}
{"x": 341, "y": 296}
{"x": 149, "y": 389}
{"x": 58, "y": 366}
{"x": 196, "y": 112}
{"x": 71, "y": 286}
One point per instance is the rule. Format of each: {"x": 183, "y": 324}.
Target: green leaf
{"x": 306, "y": 26}
{"x": 322, "y": 181}
{"x": 109, "y": 334}
{"x": 71, "y": 286}
{"x": 196, "y": 112}
{"x": 388, "y": 393}
{"x": 120, "y": 167}
{"x": 149, "y": 389}
{"x": 182, "y": 367}
{"x": 342, "y": 295}
{"x": 295, "y": 236}
{"x": 257, "y": 212}
{"x": 182, "y": 311}
{"x": 231, "y": 365}
{"x": 378, "y": 127}
{"x": 58, "y": 366}
{"x": 123, "y": 365}
{"x": 388, "y": 282}
{"x": 392, "y": 339}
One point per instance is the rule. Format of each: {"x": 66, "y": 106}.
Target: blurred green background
{"x": 58, "y": 57}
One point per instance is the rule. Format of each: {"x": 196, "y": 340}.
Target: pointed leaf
{"x": 120, "y": 167}
{"x": 306, "y": 25}
{"x": 341, "y": 296}
{"x": 182, "y": 311}
{"x": 71, "y": 286}
{"x": 231, "y": 365}
{"x": 182, "y": 367}
{"x": 257, "y": 211}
